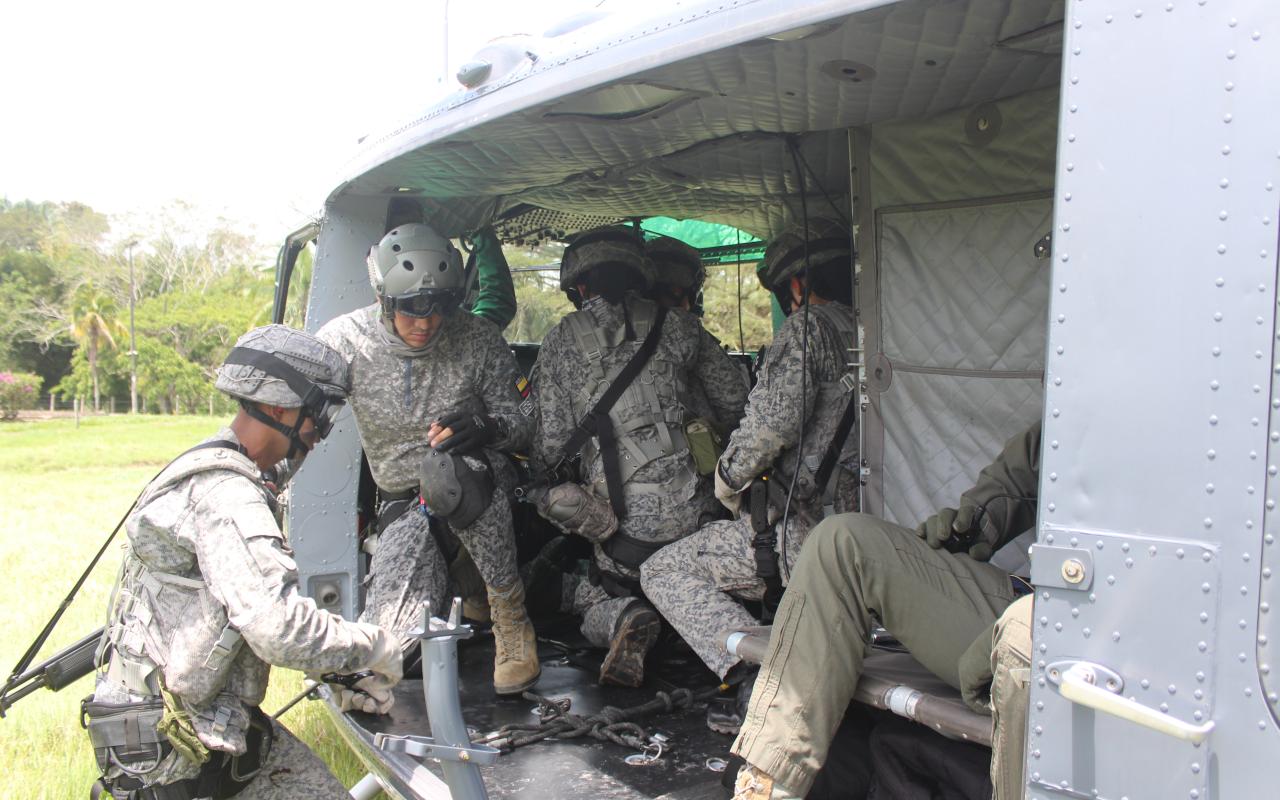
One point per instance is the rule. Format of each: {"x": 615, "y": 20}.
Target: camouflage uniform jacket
{"x": 395, "y": 397}
{"x": 792, "y": 392}
{"x": 208, "y": 599}
{"x": 689, "y": 360}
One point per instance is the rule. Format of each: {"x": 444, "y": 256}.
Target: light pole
{"x": 133, "y": 347}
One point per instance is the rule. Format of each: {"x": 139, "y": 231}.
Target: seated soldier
{"x": 939, "y": 604}
{"x": 790, "y": 429}
{"x": 640, "y": 484}
{"x": 678, "y": 279}
{"x": 436, "y": 389}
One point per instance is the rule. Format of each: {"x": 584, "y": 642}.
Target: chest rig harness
{"x": 131, "y": 739}
{"x": 769, "y": 499}
{"x": 611, "y": 428}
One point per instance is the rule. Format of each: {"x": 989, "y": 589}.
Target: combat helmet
{"x": 612, "y": 247}
{"x": 828, "y": 241}
{"x": 280, "y": 366}
{"x": 677, "y": 269}
{"x": 416, "y": 271}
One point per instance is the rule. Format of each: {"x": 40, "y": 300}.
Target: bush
{"x": 18, "y": 390}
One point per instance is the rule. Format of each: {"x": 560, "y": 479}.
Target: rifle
{"x": 57, "y": 672}
{"x": 563, "y": 472}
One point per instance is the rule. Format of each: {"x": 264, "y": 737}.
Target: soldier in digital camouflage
{"x": 639, "y": 486}
{"x": 208, "y": 600}
{"x": 799, "y": 396}
{"x": 432, "y": 385}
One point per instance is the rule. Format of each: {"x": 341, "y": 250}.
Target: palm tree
{"x": 93, "y": 322}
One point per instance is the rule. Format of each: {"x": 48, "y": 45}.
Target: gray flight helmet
{"x": 676, "y": 263}
{"x": 412, "y": 264}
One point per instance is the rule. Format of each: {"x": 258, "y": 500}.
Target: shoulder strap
{"x": 836, "y": 445}
{"x": 596, "y": 422}
{"x": 44, "y": 634}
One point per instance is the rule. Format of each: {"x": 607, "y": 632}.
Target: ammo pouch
{"x": 125, "y": 736}
{"x": 705, "y": 444}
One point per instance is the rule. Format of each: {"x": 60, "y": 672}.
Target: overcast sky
{"x": 245, "y": 109}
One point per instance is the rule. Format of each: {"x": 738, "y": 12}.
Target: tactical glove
{"x": 471, "y": 432}
{"x": 948, "y": 523}
{"x": 362, "y": 697}
{"x": 728, "y": 496}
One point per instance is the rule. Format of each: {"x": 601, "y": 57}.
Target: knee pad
{"x": 453, "y": 490}
{"x": 573, "y": 509}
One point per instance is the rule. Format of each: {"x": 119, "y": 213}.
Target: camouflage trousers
{"x": 408, "y": 568}
{"x": 694, "y": 583}
{"x": 1010, "y": 696}
{"x": 851, "y": 567}
{"x": 292, "y": 772}
{"x": 599, "y": 609}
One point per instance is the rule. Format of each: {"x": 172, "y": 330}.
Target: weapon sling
{"x": 17, "y": 676}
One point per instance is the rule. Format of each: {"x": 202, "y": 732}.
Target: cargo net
{"x": 528, "y": 225}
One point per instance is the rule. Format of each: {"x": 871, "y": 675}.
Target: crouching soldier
{"x": 614, "y": 383}
{"x": 438, "y": 402}
{"x": 207, "y": 601}
{"x": 795, "y": 443}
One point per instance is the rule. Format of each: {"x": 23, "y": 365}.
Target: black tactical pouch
{"x": 125, "y": 735}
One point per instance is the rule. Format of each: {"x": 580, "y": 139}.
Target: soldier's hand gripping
{"x": 729, "y": 497}
{"x": 948, "y": 524}
{"x": 463, "y": 432}
{"x": 370, "y": 689}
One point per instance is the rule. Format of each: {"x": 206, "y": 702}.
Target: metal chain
{"x": 609, "y": 724}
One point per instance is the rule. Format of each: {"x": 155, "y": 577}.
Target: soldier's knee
{"x": 847, "y": 537}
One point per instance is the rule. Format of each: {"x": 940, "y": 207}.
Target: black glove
{"x": 471, "y": 432}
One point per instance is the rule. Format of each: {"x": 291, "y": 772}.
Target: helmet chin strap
{"x": 293, "y": 434}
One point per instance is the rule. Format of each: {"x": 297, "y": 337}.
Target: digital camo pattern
{"x": 212, "y": 545}
{"x": 396, "y": 393}
{"x": 293, "y": 772}
{"x": 694, "y": 581}
{"x": 664, "y": 499}
{"x": 690, "y": 581}
{"x": 726, "y": 416}
{"x": 599, "y": 611}
{"x": 407, "y": 567}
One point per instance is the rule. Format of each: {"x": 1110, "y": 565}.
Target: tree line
{"x": 68, "y": 274}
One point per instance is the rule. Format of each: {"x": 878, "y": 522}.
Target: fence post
{"x": 76, "y": 403}
{"x": 51, "y": 396}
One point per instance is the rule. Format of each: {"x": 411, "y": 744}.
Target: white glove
{"x": 372, "y": 694}
{"x": 363, "y": 697}
{"x": 728, "y": 496}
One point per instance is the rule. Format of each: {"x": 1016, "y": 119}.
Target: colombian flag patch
{"x": 522, "y": 386}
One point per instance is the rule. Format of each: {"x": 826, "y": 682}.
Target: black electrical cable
{"x": 742, "y": 346}
{"x": 804, "y": 356}
{"x": 834, "y": 208}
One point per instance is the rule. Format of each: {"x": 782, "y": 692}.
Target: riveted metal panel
{"x": 1161, "y": 330}
{"x": 322, "y": 496}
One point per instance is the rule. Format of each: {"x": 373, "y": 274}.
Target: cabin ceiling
{"x": 720, "y": 149}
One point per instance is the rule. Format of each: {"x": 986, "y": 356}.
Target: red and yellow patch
{"x": 522, "y": 386}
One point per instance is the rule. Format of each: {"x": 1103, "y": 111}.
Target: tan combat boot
{"x": 515, "y": 657}
{"x": 754, "y": 784}
{"x": 634, "y": 634}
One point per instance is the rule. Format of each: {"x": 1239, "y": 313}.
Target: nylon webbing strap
{"x": 596, "y": 422}
{"x": 764, "y": 546}
{"x": 832, "y": 455}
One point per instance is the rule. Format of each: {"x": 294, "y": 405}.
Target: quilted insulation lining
{"x": 941, "y": 430}
{"x": 960, "y": 288}
{"x": 927, "y": 58}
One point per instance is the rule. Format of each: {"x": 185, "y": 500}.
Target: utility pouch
{"x": 125, "y": 736}
{"x": 705, "y": 445}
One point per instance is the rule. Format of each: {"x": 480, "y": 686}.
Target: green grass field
{"x": 62, "y": 490}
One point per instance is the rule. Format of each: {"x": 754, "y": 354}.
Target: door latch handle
{"x": 1094, "y": 686}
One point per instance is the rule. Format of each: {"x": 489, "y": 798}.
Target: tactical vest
{"x": 640, "y": 405}
{"x": 168, "y": 628}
